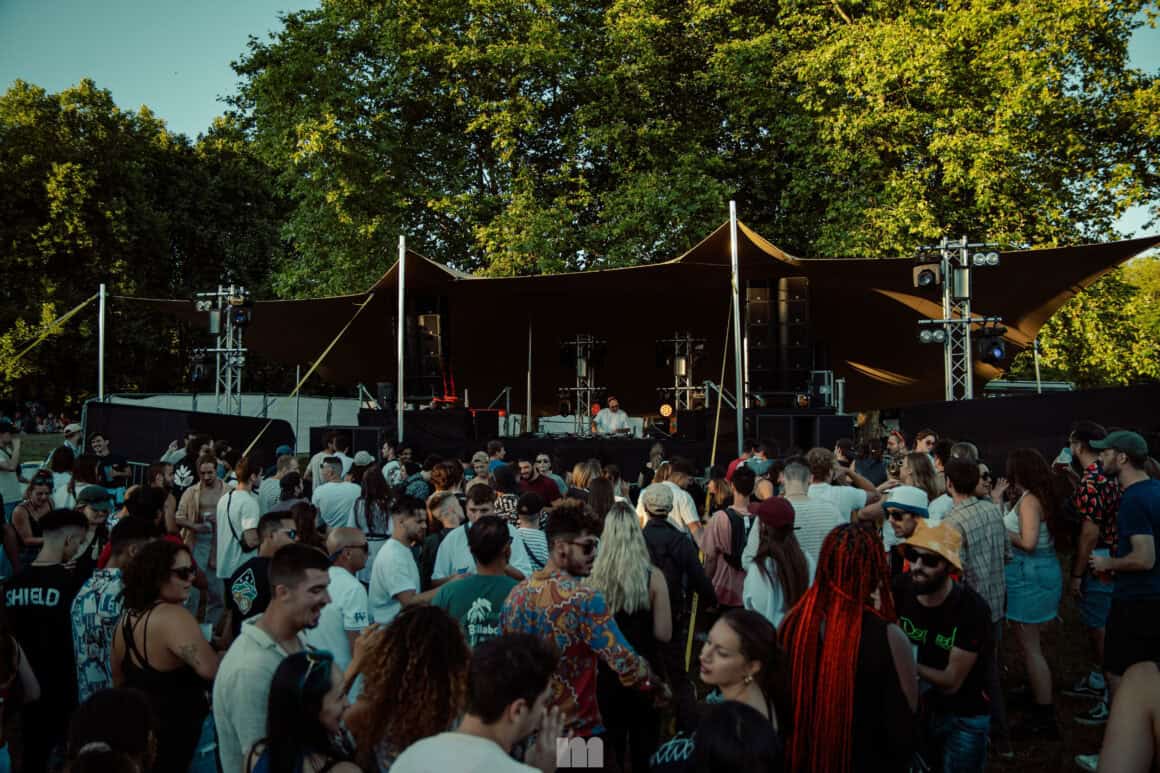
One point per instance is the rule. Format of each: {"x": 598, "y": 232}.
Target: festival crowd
{"x": 819, "y": 609}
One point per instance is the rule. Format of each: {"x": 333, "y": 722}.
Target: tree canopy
{"x": 514, "y": 138}
{"x": 89, "y": 194}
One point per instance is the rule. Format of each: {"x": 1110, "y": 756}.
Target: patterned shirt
{"x": 95, "y": 612}
{"x": 1097, "y": 498}
{"x": 984, "y": 551}
{"x": 559, "y": 607}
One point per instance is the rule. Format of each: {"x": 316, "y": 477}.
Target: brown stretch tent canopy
{"x": 863, "y": 313}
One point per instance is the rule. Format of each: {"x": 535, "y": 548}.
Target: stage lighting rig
{"x": 950, "y": 265}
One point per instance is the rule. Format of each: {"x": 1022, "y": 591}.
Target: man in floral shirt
{"x": 1096, "y": 501}
{"x": 554, "y": 604}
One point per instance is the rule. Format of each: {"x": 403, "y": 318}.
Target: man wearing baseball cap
{"x": 674, "y": 553}
{"x": 949, "y": 625}
{"x": 1133, "y": 628}
{"x": 74, "y": 438}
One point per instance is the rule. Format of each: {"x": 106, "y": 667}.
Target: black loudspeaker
{"x": 385, "y": 393}
{"x": 795, "y": 344}
{"x": 369, "y": 439}
{"x": 759, "y": 331}
{"x": 803, "y": 431}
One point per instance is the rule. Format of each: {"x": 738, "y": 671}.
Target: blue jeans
{"x": 959, "y": 743}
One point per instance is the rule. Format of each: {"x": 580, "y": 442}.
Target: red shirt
{"x": 542, "y": 485}
{"x": 733, "y": 465}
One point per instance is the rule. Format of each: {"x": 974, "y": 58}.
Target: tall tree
{"x": 514, "y": 138}
{"x": 89, "y": 194}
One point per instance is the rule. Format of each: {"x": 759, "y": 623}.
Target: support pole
{"x": 101, "y": 344}
{"x": 528, "y": 410}
{"x": 402, "y": 324}
{"x": 1035, "y": 353}
{"x": 297, "y": 407}
{"x": 737, "y": 365}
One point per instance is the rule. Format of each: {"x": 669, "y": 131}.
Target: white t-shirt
{"x": 684, "y": 509}
{"x": 459, "y": 752}
{"x": 608, "y": 422}
{"x": 846, "y": 498}
{"x": 814, "y": 519}
{"x": 335, "y": 502}
{"x": 454, "y": 556}
{"x": 394, "y": 572}
{"x": 765, "y": 597}
{"x": 239, "y": 509}
{"x": 11, "y": 489}
{"x": 348, "y": 610}
{"x": 939, "y": 509}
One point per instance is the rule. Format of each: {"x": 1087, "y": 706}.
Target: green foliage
{"x": 514, "y": 138}
{"x": 90, "y": 194}
{"x": 1107, "y": 335}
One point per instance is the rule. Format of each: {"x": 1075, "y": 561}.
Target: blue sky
{"x": 174, "y": 55}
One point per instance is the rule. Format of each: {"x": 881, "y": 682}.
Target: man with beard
{"x": 555, "y": 604}
{"x": 949, "y": 624}
{"x": 532, "y": 481}
{"x": 298, "y": 580}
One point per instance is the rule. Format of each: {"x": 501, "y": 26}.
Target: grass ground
{"x": 1066, "y": 649}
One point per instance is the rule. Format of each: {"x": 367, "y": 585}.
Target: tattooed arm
{"x": 186, "y": 641}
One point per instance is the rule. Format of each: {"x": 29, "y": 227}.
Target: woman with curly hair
{"x": 638, "y": 597}
{"x": 304, "y": 718}
{"x": 853, "y": 681}
{"x": 420, "y": 659}
{"x": 159, "y": 649}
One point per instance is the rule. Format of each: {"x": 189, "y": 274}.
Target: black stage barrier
{"x": 997, "y": 425}
{"x": 369, "y": 439}
{"x": 142, "y": 434}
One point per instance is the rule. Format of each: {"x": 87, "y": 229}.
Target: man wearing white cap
{"x": 905, "y": 508}
{"x": 74, "y": 438}
{"x": 950, "y": 627}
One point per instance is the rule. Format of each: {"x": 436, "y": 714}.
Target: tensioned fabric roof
{"x": 863, "y": 311}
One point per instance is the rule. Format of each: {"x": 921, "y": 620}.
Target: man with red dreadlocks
{"x": 854, "y": 689}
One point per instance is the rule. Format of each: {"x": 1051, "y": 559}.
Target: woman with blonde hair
{"x": 638, "y": 597}
{"x": 918, "y": 471}
{"x": 583, "y": 473}
{"x": 479, "y": 462}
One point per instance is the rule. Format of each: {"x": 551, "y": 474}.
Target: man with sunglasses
{"x": 905, "y": 508}
{"x": 348, "y": 613}
{"x": 555, "y": 604}
{"x": 949, "y": 626}
{"x": 248, "y": 589}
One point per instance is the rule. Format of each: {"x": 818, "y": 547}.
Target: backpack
{"x": 740, "y": 535}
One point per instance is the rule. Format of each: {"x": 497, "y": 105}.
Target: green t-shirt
{"x": 476, "y": 602}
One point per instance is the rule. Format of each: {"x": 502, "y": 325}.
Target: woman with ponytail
{"x": 854, "y": 685}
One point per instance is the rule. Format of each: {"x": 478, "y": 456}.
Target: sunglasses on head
{"x": 933, "y": 560}
{"x": 184, "y": 572}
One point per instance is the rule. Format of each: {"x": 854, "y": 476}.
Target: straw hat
{"x": 942, "y": 538}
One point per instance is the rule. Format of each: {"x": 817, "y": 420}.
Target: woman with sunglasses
{"x": 159, "y": 649}
{"x": 304, "y": 732}
{"x": 26, "y": 517}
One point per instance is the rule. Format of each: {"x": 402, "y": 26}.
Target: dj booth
{"x": 629, "y": 454}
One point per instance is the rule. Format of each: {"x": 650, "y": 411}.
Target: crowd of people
{"x": 824, "y": 609}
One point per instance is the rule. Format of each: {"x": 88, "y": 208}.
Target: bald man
{"x": 348, "y": 613}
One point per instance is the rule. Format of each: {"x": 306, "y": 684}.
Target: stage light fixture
{"x": 666, "y": 410}
{"x": 932, "y": 335}
{"x": 927, "y": 275}
{"x": 990, "y": 345}
{"x": 980, "y": 259}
